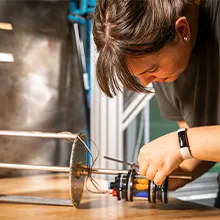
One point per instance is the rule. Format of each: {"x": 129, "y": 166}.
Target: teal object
{"x": 78, "y": 12}
{"x": 82, "y": 8}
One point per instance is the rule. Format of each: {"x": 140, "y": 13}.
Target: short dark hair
{"x": 131, "y": 27}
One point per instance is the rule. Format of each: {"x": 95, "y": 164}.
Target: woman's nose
{"x": 145, "y": 81}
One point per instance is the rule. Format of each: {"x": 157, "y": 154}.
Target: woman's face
{"x": 163, "y": 66}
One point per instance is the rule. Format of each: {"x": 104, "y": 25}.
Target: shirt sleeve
{"x": 167, "y": 105}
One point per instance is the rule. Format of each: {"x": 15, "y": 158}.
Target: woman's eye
{"x": 154, "y": 70}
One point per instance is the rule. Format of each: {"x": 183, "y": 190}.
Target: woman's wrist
{"x": 191, "y": 142}
{"x": 204, "y": 142}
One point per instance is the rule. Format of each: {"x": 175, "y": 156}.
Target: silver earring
{"x": 185, "y": 38}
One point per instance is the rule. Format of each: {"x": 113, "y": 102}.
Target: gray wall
{"x": 38, "y": 91}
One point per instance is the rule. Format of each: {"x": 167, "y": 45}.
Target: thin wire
{"x": 93, "y": 181}
{"x": 97, "y": 150}
{"x": 97, "y": 186}
{"x": 87, "y": 148}
{"x": 89, "y": 177}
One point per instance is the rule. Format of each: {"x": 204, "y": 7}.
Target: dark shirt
{"x": 195, "y": 96}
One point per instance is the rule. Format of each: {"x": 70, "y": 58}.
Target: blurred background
{"x": 47, "y": 63}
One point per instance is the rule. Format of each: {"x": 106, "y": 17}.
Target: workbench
{"x": 92, "y": 207}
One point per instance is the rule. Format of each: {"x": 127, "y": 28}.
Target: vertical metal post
{"x": 147, "y": 123}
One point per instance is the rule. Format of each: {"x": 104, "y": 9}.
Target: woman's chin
{"x": 172, "y": 78}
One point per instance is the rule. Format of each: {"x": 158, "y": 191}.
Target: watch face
{"x": 182, "y": 139}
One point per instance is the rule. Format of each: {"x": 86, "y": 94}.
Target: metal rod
{"x": 108, "y": 171}
{"x": 120, "y": 161}
{"x": 34, "y": 167}
{"x": 60, "y": 135}
{"x": 133, "y": 105}
{"x": 85, "y": 170}
{"x": 183, "y": 176}
{"x": 136, "y": 111}
{"x": 59, "y": 169}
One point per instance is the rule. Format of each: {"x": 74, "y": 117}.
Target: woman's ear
{"x": 182, "y": 28}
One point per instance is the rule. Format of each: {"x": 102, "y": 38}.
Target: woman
{"x": 175, "y": 45}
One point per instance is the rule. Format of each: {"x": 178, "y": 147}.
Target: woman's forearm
{"x": 204, "y": 142}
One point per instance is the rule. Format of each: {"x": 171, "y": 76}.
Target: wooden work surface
{"x": 93, "y": 207}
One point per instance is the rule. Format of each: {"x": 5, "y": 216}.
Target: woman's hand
{"x": 160, "y": 157}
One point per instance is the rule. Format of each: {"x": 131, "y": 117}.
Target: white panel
{"x": 147, "y": 123}
{"x": 112, "y": 131}
{"x": 131, "y": 138}
{"x": 103, "y": 131}
{"x": 120, "y": 146}
{"x": 6, "y": 26}
{"x": 95, "y": 106}
{"x": 6, "y": 57}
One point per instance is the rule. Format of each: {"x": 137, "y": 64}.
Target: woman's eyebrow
{"x": 154, "y": 66}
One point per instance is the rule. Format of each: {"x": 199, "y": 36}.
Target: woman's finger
{"x": 160, "y": 177}
{"x": 143, "y": 166}
{"x": 151, "y": 172}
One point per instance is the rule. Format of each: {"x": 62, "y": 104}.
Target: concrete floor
{"x": 203, "y": 190}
